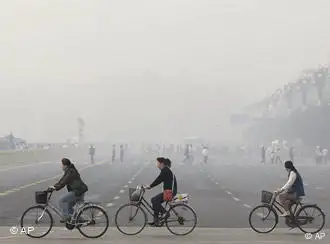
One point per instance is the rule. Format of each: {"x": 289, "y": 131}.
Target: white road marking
{"x": 7, "y": 237}
{"x": 319, "y": 188}
{"x": 17, "y": 189}
{"x": 26, "y": 166}
{"x": 130, "y": 182}
{"x": 228, "y": 192}
{"x": 133, "y": 179}
{"x": 116, "y": 197}
{"x": 217, "y": 183}
{"x": 110, "y": 204}
{"x": 121, "y": 191}
{"x": 236, "y": 199}
{"x": 305, "y": 184}
{"x": 247, "y": 206}
{"x": 126, "y": 186}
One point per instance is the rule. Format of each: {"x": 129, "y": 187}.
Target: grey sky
{"x": 137, "y": 69}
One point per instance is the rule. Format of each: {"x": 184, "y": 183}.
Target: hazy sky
{"x": 155, "y": 68}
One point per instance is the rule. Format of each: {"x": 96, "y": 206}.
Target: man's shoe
{"x": 155, "y": 222}
{"x": 65, "y": 220}
{"x": 285, "y": 214}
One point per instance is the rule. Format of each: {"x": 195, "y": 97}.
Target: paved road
{"x": 222, "y": 193}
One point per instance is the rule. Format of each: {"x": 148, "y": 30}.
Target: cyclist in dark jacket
{"x": 75, "y": 186}
{"x": 168, "y": 179}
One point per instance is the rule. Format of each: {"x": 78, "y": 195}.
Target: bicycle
{"x": 298, "y": 217}
{"x": 78, "y": 220}
{"x": 173, "y": 214}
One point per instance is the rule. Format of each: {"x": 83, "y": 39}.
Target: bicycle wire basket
{"x": 41, "y": 197}
{"x": 266, "y": 196}
{"x": 134, "y": 194}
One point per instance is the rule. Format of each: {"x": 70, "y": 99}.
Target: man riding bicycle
{"x": 292, "y": 190}
{"x": 75, "y": 186}
{"x": 205, "y": 154}
{"x": 168, "y": 179}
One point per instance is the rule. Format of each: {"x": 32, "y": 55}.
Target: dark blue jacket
{"x": 298, "y": 186}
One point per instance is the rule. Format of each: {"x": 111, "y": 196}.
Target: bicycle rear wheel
{"x": 182, "y": 220}
{"x": 310, "y": 219}
{"x": 130, "y": 219}
{"x": 261, "y": 216}
{"x": 37, "y": 221}
{"x": 92, "y": 221}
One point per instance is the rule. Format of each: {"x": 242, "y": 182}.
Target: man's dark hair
{"x": 66, "y": 162}
{"x": 289, "y": 165}
{"x": 164, "y": 161}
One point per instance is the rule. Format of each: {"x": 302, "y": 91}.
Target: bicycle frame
{"x": 58, "y": 212}
{"x": 279, "y": 207}
{"x": 143, "y": 202}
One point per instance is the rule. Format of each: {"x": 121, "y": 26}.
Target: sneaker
{"x": 65, "y": 220}
{"x": 155, "y": 222}
{"x": 285, "y": 214}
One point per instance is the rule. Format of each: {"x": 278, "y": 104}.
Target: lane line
{"x": 116, "y": 197}
{"x": 121, "y": 191}
{"x": 17, "y": 189}
{"x": 110, "y": 204}
{"x": 236, "y": 199}
{"x": 247, "y": 206}
{"x": 126, "y": 186}
{"x": 8, "y": 237}
{"x": 26, "y": 166}
{"x": 228, "y": 192}
{"x": 130, "y": 182}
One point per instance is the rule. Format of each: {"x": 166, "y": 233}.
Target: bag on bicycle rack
{"x": 41, "y": 197}
{"x": 168, "y": 194}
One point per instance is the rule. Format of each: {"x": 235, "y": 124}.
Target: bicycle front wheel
{"x": 310, "y": 219}
{"x": 263, "y": 219}
{"x": 92, "y": 221}
{"x": 130, "y": 219}
{"x": 181, "y": 220}
{"x": 37, "y": 222}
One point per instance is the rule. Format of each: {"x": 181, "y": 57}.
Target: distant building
{"x": 11, "y": 142}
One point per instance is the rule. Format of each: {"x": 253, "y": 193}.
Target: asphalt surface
{"x": 223, "y": 192}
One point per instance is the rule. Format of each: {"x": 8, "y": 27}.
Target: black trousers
{"x": 156, "y": 202}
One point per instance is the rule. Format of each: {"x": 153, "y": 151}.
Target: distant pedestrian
{"x": 291, "y": 154}
{"x": 113, "y": 153}
{"x": 263, "y": 154}
{"x": 325, "y": 156}
{"x": 318, "y": 155}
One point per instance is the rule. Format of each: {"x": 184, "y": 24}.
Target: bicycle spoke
{"x": 182, "y": 220}
{"x": 263, "y": 219}
{"x": 130, "y": 219}
{"x": 308, "y": 222}
{"x": 38, "y": 218}
{"x": 91, "y": 226}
